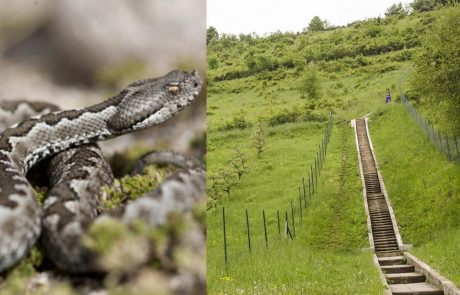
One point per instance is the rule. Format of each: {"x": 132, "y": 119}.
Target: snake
{"x": 77, "y": 169}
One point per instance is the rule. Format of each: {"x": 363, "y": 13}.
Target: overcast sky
{"x": 266, "y": 16}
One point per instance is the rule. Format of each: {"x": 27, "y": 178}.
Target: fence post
{"x": 321, "y": 148}
{"x": 313, "y": 186}
{"x": 456, "y": 145}
{"x": 430, "y": 134}
{"x": 440, "y": 141}
{"x": 249, "y": 233}
{"x": 265, "y": 229}
{"x": 316, "y": 178}
{"x": 286, "y": 228}
{"x": 426, "y": 127}
{"x": 448, "y": 148}
{"x": 279, "y": 225}
{"x": 304, "y": 194}
{"x": 300, "y": 205}
{"x": 292, "y": 217}
{"x": 318, "y": 156}
{"x": 225, "y": 237}
{"x": 316, "y": 170}
{"x": 324, "y": 147}
{"x": 320, "y": 151}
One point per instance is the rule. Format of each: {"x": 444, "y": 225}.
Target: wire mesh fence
{"x": 272, "y": 224}
{"x": 449, "y": 145}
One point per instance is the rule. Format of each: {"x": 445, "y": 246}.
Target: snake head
{"x": 152, "y": 101}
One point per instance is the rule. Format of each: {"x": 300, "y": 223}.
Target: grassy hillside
{"x": 424, "y": 188}
{"x": 260, "y": 79}
{"x": 326, "y": 256}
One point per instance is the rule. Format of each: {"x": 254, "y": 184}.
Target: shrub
{"x": 213, "y": 62}
{"x": 283, "y": 117}
{"x": 374, "y": 31}
{"x": 238, "y": 122}
{"x": 310, "y": 84}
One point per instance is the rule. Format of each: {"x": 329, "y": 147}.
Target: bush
{"x": 261, "y": 62}
{"x": 310, "y": 84}
{"x": 374, "y": 31}
{"x": 238, "y": 122}
{"x": 283, "y": 117}
{"x": 213, "y": 62}
{"x": 396, "y": 10}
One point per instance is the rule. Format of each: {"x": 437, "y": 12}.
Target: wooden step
{"x": 380, "y": 216}
{"x": 392, "y": 248}
{"x": 385, "y": 244}
{"x": 392, "y": 260}
{"x": 386, "y": 248}
{"x": 405, "y": 278}
{"x": 398, "y": 268}
{"x": 388, "y": 253}
{"x": 378, "y": 231}
{"x": 414, "y": 289}
{"x": 385, "y": 240}
{"x": 383, "y": 229}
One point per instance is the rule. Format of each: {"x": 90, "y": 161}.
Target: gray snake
{"x": 71, "y": 136}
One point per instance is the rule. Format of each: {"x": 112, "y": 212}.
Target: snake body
{"x": 142, "y": 104}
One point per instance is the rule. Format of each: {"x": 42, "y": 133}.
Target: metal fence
{"x": 446, "y": 144}
{"x": 285, "y": 226}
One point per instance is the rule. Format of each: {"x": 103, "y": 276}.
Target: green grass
{"x": 423, "y": 186}
{"x": 355, "y": 68}
{"x": 295, "y": 269}
{"x": 442, "y": 253}
{"x": 359, "y": 94}
{"x": 328, "y": 255}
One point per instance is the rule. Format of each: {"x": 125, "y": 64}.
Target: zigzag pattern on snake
{"x": 76, "y": 174}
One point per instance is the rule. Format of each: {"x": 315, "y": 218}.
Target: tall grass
{"x": 328, "y": 254}
{"x": 424, "y": 188}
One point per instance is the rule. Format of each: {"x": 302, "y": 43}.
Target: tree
{"x": 214, "y": 191}
{"x": 310, "y": 84}
{"x": 396, "y": 10}
{"x": 428, "y": 5}
{"x": 213, "y": 61}
{"x": 437, "y": 70}
{"x": 239, "y": 162}
{"x": 226, "y": 180}
{"x": 259, "y": 138}
{"x": 316, "y": 24}
{"x": 260, "y": 62}
{"x": 211, "y": 34}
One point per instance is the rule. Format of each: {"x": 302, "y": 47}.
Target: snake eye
{"x": 173, "y": 89}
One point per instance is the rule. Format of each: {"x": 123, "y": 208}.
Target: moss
{"x": 174, "y": 226}
{"x": 18, "y": 276}
{"x": 132, "y": 187}
{"x": 102, "y": 236}
{"x": 41, "y": 194}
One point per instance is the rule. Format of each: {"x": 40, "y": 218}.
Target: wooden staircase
{"x": 400, "y": 276}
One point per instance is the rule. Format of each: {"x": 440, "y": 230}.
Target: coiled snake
{"x": 78, "y": 170}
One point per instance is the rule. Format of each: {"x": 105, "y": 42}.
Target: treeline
{"x": 317, "y": 24}
{"x": 232, "y": 57}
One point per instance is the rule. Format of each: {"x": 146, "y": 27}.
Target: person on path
{"x": 388, "y": 97}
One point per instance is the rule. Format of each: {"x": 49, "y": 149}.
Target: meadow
{"x": 261, "y": 81}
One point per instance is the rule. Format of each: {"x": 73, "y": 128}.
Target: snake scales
{"x": 77, "y": 169}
